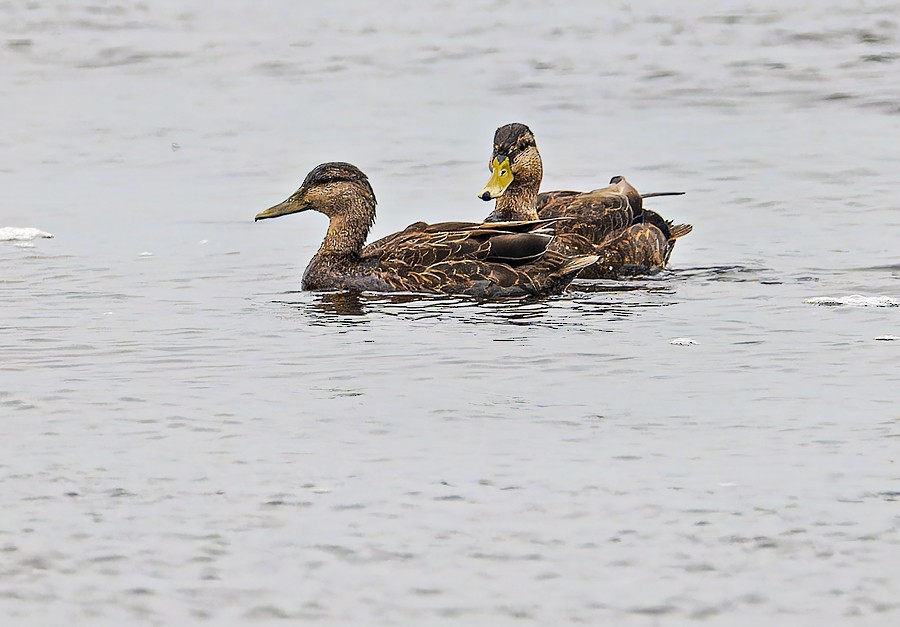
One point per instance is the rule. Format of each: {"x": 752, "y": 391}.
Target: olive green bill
{"x": 501, "y": 177}
{"x": 294, "y": 204}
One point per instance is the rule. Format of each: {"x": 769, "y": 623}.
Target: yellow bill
{"x": 501, "y": 177}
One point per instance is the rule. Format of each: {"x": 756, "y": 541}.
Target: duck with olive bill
{"x": 487, "y": 260}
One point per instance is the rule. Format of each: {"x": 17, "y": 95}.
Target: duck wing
{"x": 480, "y": 259}
{"x": 549, "y": 274}
{"x": 593, "y": 214}
{"x": 417, "y": 229}
{"x": 423, "y": 249}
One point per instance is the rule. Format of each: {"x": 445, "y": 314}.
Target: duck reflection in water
{"x": 340, "y": 304}
{"x": 359, "y": 304}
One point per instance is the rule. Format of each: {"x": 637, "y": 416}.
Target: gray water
{"x": 188, "y": 439}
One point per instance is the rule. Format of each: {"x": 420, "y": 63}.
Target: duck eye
{"x": 503, "y": 172}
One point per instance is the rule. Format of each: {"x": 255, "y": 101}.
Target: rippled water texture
{"x": 188, "y": 439}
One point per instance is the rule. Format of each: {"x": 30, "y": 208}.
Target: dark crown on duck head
{"x": 336, "y": 172}
{"x": 510, "y": 139}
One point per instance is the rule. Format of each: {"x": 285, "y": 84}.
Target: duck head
{"x": 619, "y": 185}
{"x": 515, "y": 162}
{"x": 343, "y": 193}
{"x": 332, "y": 188}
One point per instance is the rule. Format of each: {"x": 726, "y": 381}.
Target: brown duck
{"x": 499, "y": 259}
{"x": 611, "y": 221}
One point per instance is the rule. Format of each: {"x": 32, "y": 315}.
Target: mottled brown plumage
{"x": 485, "y": 260}
{"x": 611, "y": 221}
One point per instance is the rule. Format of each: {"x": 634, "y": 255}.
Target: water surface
{"x": 188, "y": 438}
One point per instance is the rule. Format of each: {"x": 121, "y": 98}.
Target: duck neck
{"x": 348, "y": 227}
{"x": 516, "y": 203}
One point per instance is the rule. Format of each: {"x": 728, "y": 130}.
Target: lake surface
{"x": 188, "y": 439}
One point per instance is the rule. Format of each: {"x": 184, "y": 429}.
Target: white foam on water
{"x": 853, "y": 300}
{"x": 683, "y": 341}
{"x": 21, "y": 234}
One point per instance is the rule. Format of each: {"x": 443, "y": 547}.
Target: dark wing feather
{"x": 517, "y": 248}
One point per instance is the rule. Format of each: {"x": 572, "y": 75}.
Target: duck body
{"x": 610, "y": 221}
{"x": 629, "y": 239}
{"x": 485, "y": 261}
{"x": 482, "y": 260}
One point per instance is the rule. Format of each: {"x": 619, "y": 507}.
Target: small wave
{"x": 21, "y": 234}
{"x": 853, "y": 300}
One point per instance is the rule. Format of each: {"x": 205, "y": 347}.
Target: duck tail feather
{"x": 655, "y": 194}
{"x": 680, "y": 230}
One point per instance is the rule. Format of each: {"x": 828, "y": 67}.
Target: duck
{"x": 485, "y": 260}
{"x": 610, "y": 221}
